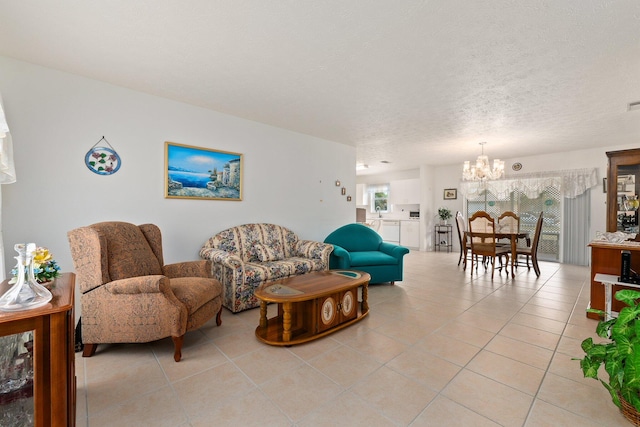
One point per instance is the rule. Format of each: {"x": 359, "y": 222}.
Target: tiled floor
{"x": 438, "y": 349}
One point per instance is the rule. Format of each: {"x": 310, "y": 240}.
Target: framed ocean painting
{"x": 202, "y": 173}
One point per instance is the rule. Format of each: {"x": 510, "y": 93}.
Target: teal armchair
{"x": 358, "y": 247}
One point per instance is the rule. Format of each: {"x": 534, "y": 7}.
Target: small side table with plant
{"x": 444, "y": 214}
{"x": 442, "y": 236}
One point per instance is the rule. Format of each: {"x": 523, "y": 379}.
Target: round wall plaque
{"x": 516, "y": 166}
{"x": 102, "y": 160}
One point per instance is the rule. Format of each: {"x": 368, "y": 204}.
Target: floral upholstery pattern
{"x": 128, "y": 295}
{"x": 246, "y": 256}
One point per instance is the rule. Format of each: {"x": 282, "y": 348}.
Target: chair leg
{"x": 534, "y": 261}
{"x": 219, "y": 317}
{"x": 89, "y": 350}
{"x": 473, "y": 257}
{"x": 177, "y": 344}
{"x": 493, "y": 266}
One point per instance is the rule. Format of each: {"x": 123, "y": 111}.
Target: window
{"x": 379, "y": 198}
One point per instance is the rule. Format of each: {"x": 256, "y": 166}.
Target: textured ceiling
{"x": 410, "y": 82}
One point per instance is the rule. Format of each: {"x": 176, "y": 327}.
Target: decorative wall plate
{"x": 516, "y": 166}
{"x": 102, "y": 160}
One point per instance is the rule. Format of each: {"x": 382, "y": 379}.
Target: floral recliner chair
{"x": 246, "y": 256}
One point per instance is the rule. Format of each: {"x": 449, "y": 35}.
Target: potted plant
{"x": 620, "y": 354}
{"x": 444, "y": 214}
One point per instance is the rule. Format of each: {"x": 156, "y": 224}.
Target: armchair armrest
{"x": 395, "y": 251}
{"x": 140, "y": 285}
{"x": 200, "y": 268}
{"x": 218, "y": 256}
{"x": 340, "y": 258}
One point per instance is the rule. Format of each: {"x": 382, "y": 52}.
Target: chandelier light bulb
{"x": 482, "y": 170}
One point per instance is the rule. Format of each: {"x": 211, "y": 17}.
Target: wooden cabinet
{"x": 606, "y": 259}
{"x": 52, "y": 392}
{"x": 336, "y": 309}
{"x": 623, "y": 185}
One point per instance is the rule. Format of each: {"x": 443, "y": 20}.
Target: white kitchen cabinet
{"x": 405, "y": 192}
{"x": 410, "y": 234}
{"x": 362, "y": 197}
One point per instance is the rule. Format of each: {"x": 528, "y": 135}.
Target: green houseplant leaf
{"x": 620, "y": 353}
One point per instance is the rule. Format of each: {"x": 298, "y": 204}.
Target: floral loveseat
{"x": 246, "y": 256}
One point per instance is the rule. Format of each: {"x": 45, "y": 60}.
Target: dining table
{"x": 513, "y": 238}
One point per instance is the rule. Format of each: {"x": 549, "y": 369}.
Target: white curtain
{"x": 7, "y": 174}
{"x": 571, "y": 184}
{"x": 575, "y": 230}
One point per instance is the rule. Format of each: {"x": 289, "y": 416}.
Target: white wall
{"x": 55, "y": 118}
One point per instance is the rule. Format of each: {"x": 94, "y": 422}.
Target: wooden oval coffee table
{"x": 311, "y": 305}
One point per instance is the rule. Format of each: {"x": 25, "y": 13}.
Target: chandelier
{"x": 482, "y": 171}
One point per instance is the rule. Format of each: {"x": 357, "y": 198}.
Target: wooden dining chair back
{"x": 509, "y": 222}
{"x": 465, "y": 247}
{"x": 531, "y": 252}
{"x": 483, "y": 241}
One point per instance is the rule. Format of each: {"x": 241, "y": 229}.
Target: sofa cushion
{"x": 265, "y": 253}
{"x": 371, "y": 258}
{"x": 266, "y": 271}
{"x": 194, "y": 292}
{"x": 240, "y": 240}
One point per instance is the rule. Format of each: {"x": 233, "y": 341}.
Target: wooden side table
{"x": 442, "y": 237}
{"x": 49, "y": 389}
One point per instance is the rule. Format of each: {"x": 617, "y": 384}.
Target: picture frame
{"x": 202, "y": 173}
{"x": 450, "y": 194}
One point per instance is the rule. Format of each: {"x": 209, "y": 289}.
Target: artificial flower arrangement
{"x": 45, "y": 268}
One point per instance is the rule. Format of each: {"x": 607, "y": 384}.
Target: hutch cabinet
{"x": 623, "y": 185}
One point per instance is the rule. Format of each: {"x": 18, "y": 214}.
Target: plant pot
{"x": 629, "y": 411}
{"x": 443, "y": 222}
{"x": 48, "y": 283}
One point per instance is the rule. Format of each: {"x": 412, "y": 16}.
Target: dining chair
{"x": 483, "y": 241}
{"x": 531, "y": 252}
{"x": 465, "y": 246}
{"x": 509, "y": 222}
